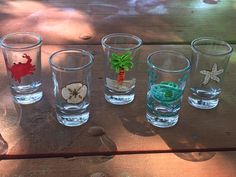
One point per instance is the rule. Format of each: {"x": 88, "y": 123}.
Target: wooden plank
{"x": 86, "y": 22}
{"x": 33, "y": 130}
{"x": 219, "y": 164}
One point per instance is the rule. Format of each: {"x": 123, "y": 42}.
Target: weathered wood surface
{"x": 156, "y": 21}
{"x": 31, "y": 131}
{"x": 217, "y": 164}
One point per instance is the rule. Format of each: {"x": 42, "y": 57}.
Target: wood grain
{"x": 219, "y": 164}
{"x": 86, "y": 22}
{"x": 117, "y": 141}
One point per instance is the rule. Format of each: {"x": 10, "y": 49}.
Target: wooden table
{"x": 117, "y": 141}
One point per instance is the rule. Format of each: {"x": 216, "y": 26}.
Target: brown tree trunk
{"x": 121, "y": 76}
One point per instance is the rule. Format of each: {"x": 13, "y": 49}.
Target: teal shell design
{"x": 166, "y": 91}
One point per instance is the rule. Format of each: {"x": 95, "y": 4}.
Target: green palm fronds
{"x": 119, "y": 62}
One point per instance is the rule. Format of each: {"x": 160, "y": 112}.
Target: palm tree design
{"x": 121, "y": 63}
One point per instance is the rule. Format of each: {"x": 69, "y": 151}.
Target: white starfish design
{"x": 213, "y": 74}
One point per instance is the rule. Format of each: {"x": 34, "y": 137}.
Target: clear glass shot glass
{"x": 168, "y": 72}
{"x": 210, "y": 58}
{"x": 22, "y": 55}
{"x": 121, "y": 52}
{"x": 71, "y": 76}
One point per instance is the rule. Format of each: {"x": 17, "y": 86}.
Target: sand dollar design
{"x": 74, "y": 92}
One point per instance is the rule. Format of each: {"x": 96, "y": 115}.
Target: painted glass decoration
{"x": 74, "y": 92}
{"x": 211, "y": 75}
{"x": 20, "y": 70}
{"x": 121, "y": 64}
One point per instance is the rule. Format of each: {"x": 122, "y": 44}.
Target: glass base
{"x": 28, "y": 98}
{"x": 73, "y": 120}
{"x": 203, "y": 103}
{"x": 161, "y": 121}
{"x": 119, "y": 99}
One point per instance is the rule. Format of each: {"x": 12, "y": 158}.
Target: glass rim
{"x": 217, "y": 41}
{"x": 186, "y": 68}
{"x": 104, "y": 39}
{"x": 34, "y": 35}
{"x": 81, "y": 51}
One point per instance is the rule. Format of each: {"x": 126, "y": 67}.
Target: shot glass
{"x": 210, "y": 58}
{"x": 121, "y": 51}
{"x": 71, "y": 76}
{"x": 22, "y": 55}
{"x": 168, "y": 72}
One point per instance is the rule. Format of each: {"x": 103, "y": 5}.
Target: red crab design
{"x": 22, "y": 69}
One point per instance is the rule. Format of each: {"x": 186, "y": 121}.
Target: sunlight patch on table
{"x": 53, "y": 23}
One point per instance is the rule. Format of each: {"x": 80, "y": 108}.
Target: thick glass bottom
{"x": 72, "y": 115}
{"x": 28, "y": 98}
{"x": 73, "y": 120}
{"x": 119, "y": 94}
{"x": 203, "y": 103}
{"x": 161, "y": 121}
{"x": 119, "y": 99}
